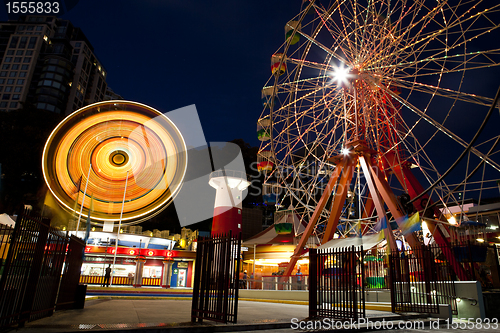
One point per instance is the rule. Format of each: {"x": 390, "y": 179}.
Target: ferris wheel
{"x": 406, "y": 87}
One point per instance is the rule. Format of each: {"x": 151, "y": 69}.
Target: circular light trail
{"x": 115, "y": 139}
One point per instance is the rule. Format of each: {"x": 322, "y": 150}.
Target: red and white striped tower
{"x": 227, "y": 210}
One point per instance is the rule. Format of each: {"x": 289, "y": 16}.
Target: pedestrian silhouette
{"x": 107, "y": 276}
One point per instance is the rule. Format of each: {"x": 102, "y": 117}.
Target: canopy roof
{"x": 367, "y": 241}
{"x": 7, "y": 220}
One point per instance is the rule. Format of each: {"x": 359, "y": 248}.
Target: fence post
{"x": 34, "y": 274}
{"x": 392, "y": 279}
{"x": 313, "y": 285}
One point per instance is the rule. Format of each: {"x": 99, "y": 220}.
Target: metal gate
{"x": 421, "y": 279}
{"x": 336, "y": 283}
{"x": 31, "y": 270}
{"x": 67, "y": 295}
{"x": 215, "y": 290}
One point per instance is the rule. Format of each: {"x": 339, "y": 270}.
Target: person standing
{"x": 299, "y": 279}
{"x": 245, "y": 277}
{"x": 107, "y": 276}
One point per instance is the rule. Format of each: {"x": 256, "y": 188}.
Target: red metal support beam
{"x": 314, "y": 218}
{"x": 408, "y": 179}
{"x": 340, "y": 196}
{"x": 379, "y": 204}
{"x": 392, "y": 203}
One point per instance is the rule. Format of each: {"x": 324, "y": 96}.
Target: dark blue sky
{"x": 214, "y": 54}
{"x": 169, "y": 54}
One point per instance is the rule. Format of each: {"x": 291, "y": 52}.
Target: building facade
{"x": 49, "y": 64}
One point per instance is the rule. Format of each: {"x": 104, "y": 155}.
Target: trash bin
{"x": 81, "y": 292}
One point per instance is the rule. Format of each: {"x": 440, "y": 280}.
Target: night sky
{"x": 170, "y": 54}
{"x": 214, "y": 54}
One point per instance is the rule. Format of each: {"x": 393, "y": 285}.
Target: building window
{"x": 29, "y": 52}
{"x": 19, "y": 52}
{"x": 2, "y": 81}
{"x": 10, "y": 52}
{"x": 12, "y": 74}
{"x": 5, "y": 66}
{"x": 3, "y": 73}
{"x": 30, "y": 28}
{"x": 1, "y": 88}
{"x": 22, "y": 74}
{"x": 32, "y": 43}
{"x": 13, "y": 42}
{"x": 13, "y": 104}
{"x": 24, "y": 67}
{"x": 27, "y": 59}
{"x": 21, "y": 27}
{"x": 78, "y": 44}
{"x": 17, "y": 59}
{"x": 8, "y": 59}
{"x": 18, "y": 89}
{"x": 8, "y": 89}
{"x": 20, "y": 81}
{"x": 10, "y": 81}
{"x": 15, "y": 67}
{"x": 22, "y": 43}
{"x": 39, "y": 28}
{"x": 15, "y": 97}
{"x": 6, "y": 96}
{"x": 3, "y": 104}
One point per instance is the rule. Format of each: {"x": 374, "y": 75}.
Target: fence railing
{"x": 215, "y": 289}
{"x": 33, "y": 254}
{"x": 420, "y": 281}
{"x": 337, "y": 283}
{"x": 277, "y": 282}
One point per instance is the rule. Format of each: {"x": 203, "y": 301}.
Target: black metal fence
{"x": 215, "y": 289}
{"x": 336, "y": 283}
{"x": 421, "y": 279}
{"x": 31, "y": 270}
{"x": 68, "y": 297}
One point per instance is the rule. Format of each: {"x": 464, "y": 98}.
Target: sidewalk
{"x": 166, "y": 315}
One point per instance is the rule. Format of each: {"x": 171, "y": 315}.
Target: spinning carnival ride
{"x": 374, "y": 100}
{"x": 105, "y": 149}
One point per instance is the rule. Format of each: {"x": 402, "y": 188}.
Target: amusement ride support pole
{"x": 119, "y": 226}
{"x": 378, "y": 202}
{"x": 348, "y": 164}
{"x": 314, "y": 218}
{"x": 253, "y": 271}
{"x": 83, "y": 201}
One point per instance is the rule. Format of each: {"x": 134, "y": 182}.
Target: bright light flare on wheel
{"x": 341, "y": 75}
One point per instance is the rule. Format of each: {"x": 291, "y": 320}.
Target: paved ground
{"x": 155, "y": 310}
{"x": 125, "y": 314}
